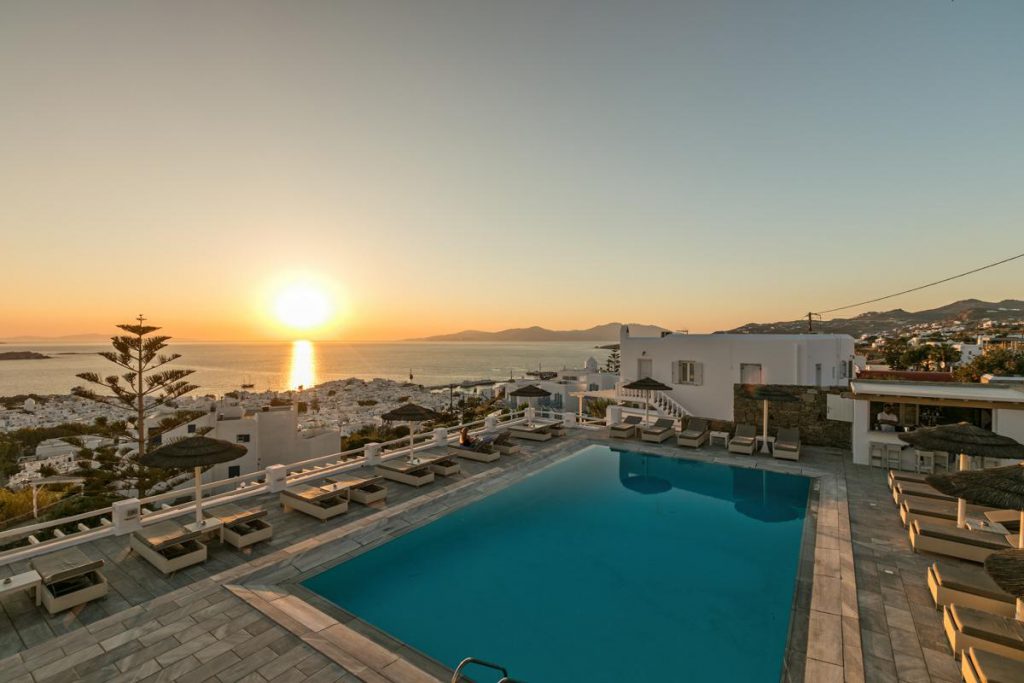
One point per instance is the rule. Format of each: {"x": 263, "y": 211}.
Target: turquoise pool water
{"x": 609, "y": 566}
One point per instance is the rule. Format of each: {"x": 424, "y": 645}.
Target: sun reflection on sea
{"x": 303, "y": 370}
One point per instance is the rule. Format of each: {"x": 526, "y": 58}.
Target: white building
{"x": 702, "y": 368}
{"x": 998, "y": 407}
{"x": 968, "y": 352}
{"x": 271, "y": 436}
{"x": 567, "y": 386}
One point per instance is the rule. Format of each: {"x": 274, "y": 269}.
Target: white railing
{"x": 659, "y": 400}
{"x": 96, "y": 524}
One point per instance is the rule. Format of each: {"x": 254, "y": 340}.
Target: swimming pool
{"x": 607, "y": 566}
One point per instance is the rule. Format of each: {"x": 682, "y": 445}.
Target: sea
{"x": 280, "y": 366}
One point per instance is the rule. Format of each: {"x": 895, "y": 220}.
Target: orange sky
{"x": 434, "y": 170}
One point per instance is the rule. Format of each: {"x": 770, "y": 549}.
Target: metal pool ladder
{"x": 457, "y": 675}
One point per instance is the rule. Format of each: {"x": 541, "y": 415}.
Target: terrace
{"x": 861, "y": 610}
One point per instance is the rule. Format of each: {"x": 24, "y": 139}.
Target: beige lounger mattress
{"x": 970, "y": 580}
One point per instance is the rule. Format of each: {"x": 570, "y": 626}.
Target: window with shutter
{"x": 685, "y": 372}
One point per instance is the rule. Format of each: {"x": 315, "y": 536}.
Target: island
{"x": 21, "y": 355}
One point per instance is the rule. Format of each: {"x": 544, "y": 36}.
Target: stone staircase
{"x": 661, "y": 403}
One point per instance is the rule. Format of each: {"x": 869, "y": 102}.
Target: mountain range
{"x": 608, "y": 332}
{"x": 966, "y": 311}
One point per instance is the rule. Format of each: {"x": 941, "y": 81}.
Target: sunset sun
{"x": 302, "y": 307}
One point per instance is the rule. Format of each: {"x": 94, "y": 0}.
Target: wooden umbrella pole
{"x": 961, "y": 504}
{"x": 1020, "y": 536}
{"x": 199, "y": 496}
{"x": 764, "y": 429}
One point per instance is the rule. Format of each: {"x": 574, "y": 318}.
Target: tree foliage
{"x": 1000, "y": 362}
{"x": 614, "y": 362}
{"x": 143, "y": 385}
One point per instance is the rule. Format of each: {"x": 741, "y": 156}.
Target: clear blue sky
{"x": 438, "y": 165}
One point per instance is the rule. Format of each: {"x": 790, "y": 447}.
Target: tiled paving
{"x": 901, "y": 629}
{"x": 241, "y": 617}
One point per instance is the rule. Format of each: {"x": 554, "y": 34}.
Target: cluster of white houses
{"x": 271, "y": 435}
{"x": 702, "y": 371}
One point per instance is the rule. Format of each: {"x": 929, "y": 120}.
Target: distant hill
{"x": 64, "y": 339}
{"x": 21, "y": 355}
{"x": 599, "y": 333}
{"x": 877, "y": 322}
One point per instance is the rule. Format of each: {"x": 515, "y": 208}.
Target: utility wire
{"x": 915, "y": 289}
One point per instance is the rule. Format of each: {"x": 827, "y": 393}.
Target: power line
{"x": 916, "y": 289}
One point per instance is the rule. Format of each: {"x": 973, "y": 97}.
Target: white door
{"x": 644, "y": 368}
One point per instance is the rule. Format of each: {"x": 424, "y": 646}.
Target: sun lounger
{"x": 981, "y": 666}
{"x": 660, "y": 431}
{"x": 320, "y": 502}
{"x": 1008, "y": 518}
{"x": 966, "y": 627}
{"x": 479, "y": 453}
{"x": 918, "y": 489}
{"x": 556, "y": 427}
{"x": 695, "y": 435}
{"x": 168, "y": 546}
{"x": 502, "y": 442}
{"x": 364, "y": 491}
{"x": 405, "y": 472}
{"x": 897, "y": 475}
{"x": 744, "y": 440}
{"x": 968, "y": 587}
{"x": 69, "y": 579}
{"x": 787, "y": 444}
{"x": 934, "y": 511}
{"x": 440, "y": 462}
{"x": 536, "y": 432}
{"x": 625, "y": 429}
{"x": 242, "y": 527}
{"x": 973, "y": 546}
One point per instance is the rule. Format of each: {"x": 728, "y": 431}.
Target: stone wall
{"x": 808, "y": 413}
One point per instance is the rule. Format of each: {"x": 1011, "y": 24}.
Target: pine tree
{"x": 613, "y": 362}
{"x": 143, "y": 388}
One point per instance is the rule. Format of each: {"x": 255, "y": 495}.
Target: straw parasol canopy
{"x": 967, "y": 440}
{"x": 1006, "y": 567}
{"x": 760, "y": 392}
{"x": 196, "y": 452}
{"x": 998, "y": 487}
{"x": 530, "y": 392}
{"x": 410, "y": 412}
{"x": 649, "y": 385}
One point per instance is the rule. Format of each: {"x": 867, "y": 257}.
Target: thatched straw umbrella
{"x": 967, "y": 440}
{"x": 763, "y": 393}
{"x": 196, "y": 452}
{"x": 411, "y": 414}
{"x": 648, "y": 385}
{"x": 999, "y": 487}
{"x": 1006, "y": 567}
{"x": 530, "y": 392}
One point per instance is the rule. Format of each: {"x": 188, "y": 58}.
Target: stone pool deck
{"x": 243, "y": 616}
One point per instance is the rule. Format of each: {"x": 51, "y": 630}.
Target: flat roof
{"x": 938, "y": 390}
